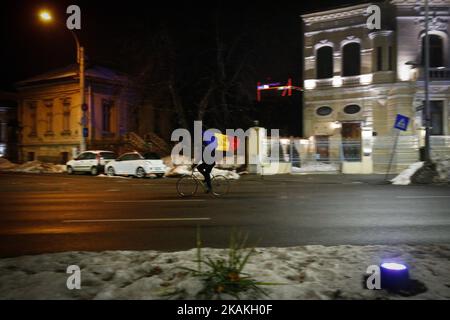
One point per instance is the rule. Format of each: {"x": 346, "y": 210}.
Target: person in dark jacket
{"x": 204, "y": 167}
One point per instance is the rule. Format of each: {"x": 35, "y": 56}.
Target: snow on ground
{"x": 176, "y": 160}
{"x": 181, "y": 165}
{"x": 178, "y": 171}
{"x": 32, "y": 166}
{"x": 186, "y": 169}
{"x": 443, "y": 168}
{"x": 316, "y": 167}
{"x": 227, "y": 163}
{"x": 5, "y": 164}
{"x": 229, "y": 174}
{"x": 305, "y": 272}
{"x": 404, "y": 178}
{"x": 118, "y": 177}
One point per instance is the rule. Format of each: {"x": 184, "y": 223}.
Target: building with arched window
{"x": 358, "y": 79}
{"x": 324, "y": 62}
{"x": 118, "y": 117}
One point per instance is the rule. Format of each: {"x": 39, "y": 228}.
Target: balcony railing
{"x": 436, "y": 74}
{"x": 338, "y": 81}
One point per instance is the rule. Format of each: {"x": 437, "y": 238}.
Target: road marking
{"x": 53, "y": 184}
{"x": 166, "y": 200}
{"x": 421, "y": 197}
{"x": 136, "y": 220}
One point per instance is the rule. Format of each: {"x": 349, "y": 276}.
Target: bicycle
{"x": 187, "y": 185}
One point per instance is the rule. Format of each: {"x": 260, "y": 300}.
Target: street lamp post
{"x": 426, "y": 70}
{"x": 426, "y": 89}
{"x": 47, "y": 17}
{"x": 80, "y": 60}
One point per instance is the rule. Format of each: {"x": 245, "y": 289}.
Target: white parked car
{"x": 92, "y": 161}
{"x": 134, "y": 164}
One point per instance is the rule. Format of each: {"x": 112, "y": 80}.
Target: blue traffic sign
{"x": 85, "y": 132}
{"x": 401, "y": 122}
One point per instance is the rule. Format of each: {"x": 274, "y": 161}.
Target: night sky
{"x": 270, "y": 33}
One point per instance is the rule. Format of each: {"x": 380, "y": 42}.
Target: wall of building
{"x": 382, "y": 91}
{"x": 50, "y": 140}
{"x": 58, "y": 144}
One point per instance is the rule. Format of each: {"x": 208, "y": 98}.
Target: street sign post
{"x": 401, "y": 124}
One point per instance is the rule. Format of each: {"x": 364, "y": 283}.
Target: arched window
{"x": 351, "y": 61}
{"x": 436, "y": 51}
{"x": 324, "y": 62}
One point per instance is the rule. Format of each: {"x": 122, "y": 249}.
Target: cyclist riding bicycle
{"x": 205, "y": 167}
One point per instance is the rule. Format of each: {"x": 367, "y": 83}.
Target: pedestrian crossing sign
{"x": 401, "y": 122}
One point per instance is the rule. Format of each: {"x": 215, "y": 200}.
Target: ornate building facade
{"x": 357, "y": 80}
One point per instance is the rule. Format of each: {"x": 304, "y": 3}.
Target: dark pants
{"x": 205, "y": 170}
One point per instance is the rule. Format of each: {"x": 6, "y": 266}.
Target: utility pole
{"x": 84, "y": 107}
{"x": 82, "y": 100}
{"x": 46, "y": 17}
{"x": 426, "y": 89}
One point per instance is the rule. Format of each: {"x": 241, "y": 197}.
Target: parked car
{"x": 92, "y": 161}
{"x": 134, "y": 164}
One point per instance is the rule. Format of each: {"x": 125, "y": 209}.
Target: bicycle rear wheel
{"x": 187, "y": 186}
{"x": 220, "y": 186}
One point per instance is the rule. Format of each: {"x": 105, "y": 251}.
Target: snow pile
{"x": 40, "y": 167}
{"x": 443, "y": 168}
{"x": 181, "y": 165}
{"x": 229, "y": 174}
{"x": 305, "y": 272}
{"x": 178, "y": 171}
{"x": 404, "y": 178}
{"x": 176, "y": 160}
{"x": 5, "y": 164}
{"x": 316, "y": 167}
{"x": 107, "y": 176}
{"x": 32, "y": 166}
{"x": 232, "y": 163}
{"x": 184, "y": 169}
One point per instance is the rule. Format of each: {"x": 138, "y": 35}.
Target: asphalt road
{"x": 54, "y": 212}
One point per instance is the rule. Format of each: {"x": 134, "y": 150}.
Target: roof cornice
{"x": 330, "y": 15}
{"x": 414, "y": 3}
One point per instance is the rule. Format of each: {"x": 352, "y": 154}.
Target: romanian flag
{"x": 223, "y": 142}
{"x": 226, "y": 143}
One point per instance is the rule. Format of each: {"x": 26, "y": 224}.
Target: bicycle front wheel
{"x": 220, "y": 186}
{"x": 187, "y": 186}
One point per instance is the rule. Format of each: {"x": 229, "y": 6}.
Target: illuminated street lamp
{"x": 46, "y": 16}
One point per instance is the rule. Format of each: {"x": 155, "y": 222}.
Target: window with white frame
{"x": 107, "y": 106}
{"x": 49, "y": 115}
{"x": 66, "y": 106}
{"x": 32, "y": 109}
